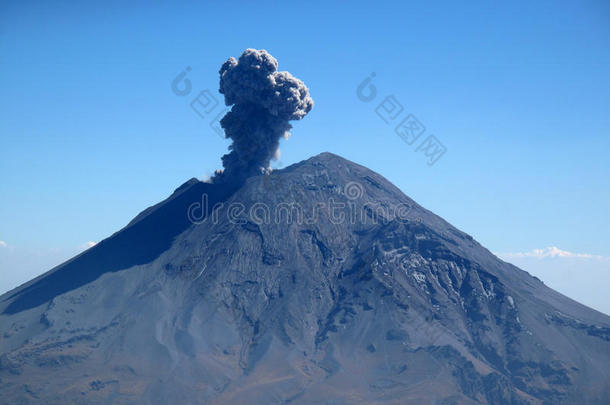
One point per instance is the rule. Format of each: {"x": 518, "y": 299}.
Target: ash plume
{"x": 263, "y": 102}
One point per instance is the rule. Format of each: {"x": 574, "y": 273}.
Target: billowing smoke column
{"x": 264, "y": 101}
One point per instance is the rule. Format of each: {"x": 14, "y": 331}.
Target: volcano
{"x": 321, "y": 283}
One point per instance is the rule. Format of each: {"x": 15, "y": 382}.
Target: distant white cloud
{"x": 581, "y": 276}
{"x": 3, "y": 243}
{"x": 88, "y": 245}
{"x": 551, "y": 252}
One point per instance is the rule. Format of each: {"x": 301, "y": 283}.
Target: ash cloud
{"x": 263, "y": 102}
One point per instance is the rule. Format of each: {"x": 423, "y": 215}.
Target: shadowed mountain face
{"x": 320, "y": 283}
{"x": 144, "y": 239}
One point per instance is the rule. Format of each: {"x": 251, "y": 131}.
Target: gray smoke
{"x": 264, "y": 101}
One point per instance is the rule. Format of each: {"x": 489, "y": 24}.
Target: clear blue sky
{"x": 91, "y": 133}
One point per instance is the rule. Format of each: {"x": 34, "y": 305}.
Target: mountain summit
{"x": 319, "y": 283}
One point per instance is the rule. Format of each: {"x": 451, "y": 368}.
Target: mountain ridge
{"x": 250, "y": 303}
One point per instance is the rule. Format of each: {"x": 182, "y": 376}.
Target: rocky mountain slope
{"x": 319, "y": 283}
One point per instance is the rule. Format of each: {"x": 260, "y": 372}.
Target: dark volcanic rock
{"x": 320, "y": 283}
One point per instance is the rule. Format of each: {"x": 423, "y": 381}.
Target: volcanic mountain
{"x": 320, "y": 283}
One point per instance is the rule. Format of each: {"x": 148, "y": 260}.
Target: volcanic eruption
{"x": 263, "y": 102}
